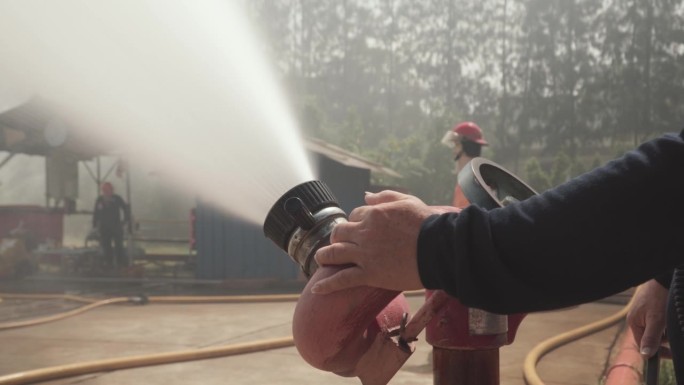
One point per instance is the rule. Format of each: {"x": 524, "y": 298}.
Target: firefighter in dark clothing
{"x": 107, "y": 219}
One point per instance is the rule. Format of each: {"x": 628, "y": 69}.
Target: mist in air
{"x": 180, "y": 87}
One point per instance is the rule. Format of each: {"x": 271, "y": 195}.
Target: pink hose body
{"x": 333, "y": 331}
{"x": 628, "y": 365}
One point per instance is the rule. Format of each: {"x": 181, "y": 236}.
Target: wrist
{"x": 434, "y": 250}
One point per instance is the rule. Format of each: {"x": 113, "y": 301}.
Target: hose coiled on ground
{"x": 530, "y": 364}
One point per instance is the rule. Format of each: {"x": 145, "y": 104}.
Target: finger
{"x": 635, "y": 325}
{"x": 343, "y": 279}
{"x": 651, "y": 339}
{"x": 638, "y": 333}
{"x": 358, "y": 214}
{"x": 385, "y": 197}
{"x": 337, "y": 254}
{"x": 637, "y": 329}
{"x": 344, "y": 232}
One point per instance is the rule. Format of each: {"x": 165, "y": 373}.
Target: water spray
{"x": 182, "y": 88}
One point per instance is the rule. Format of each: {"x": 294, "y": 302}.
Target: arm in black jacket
{"x": 596, "y": 235}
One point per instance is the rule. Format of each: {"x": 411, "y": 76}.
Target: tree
{"x": 541, "y": 77}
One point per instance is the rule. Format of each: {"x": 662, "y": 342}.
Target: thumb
{"x": 385, "y": 197}
{"x": 650, "y": 342}
{"x": 343, "y": 279}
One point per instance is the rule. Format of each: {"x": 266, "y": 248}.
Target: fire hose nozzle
{"x": 351, "y": 332}
{"x": 301, "y": 221}
{"x": 299, "y": 213}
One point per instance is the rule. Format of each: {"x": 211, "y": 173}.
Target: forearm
{"x": 582, "y": 241}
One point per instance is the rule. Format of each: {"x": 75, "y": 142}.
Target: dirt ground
{"x": 123, "y": 330}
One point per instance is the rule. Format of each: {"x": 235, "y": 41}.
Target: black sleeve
{"x": 124, "y": 207}
{"x": 96, "y": 212}
{"x": 665, "y": 279}
{"x": 596, "y": 235}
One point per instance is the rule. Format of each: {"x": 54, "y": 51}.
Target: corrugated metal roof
{"x": 32, "y": 118}
{"x": 347, "y": 158}
{"x": 38, "y": 122}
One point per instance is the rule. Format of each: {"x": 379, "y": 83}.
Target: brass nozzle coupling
{"x": 300, "y": 222}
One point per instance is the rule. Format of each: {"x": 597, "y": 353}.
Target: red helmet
{"x": 470, "y": 131}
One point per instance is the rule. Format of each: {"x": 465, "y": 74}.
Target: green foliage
{"x": 666, "y": 374}
{"x": 560, "y": 170}
{"x": 576, "y": 168}
{"x": 423, "y": 162}
{"x": 541, "y": 77}
{"x": 536, "y": 177}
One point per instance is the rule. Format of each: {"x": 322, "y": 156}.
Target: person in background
{"x": 598, "y": 234}
{"x": 466, "y": 141}
{"x": 109, "y": 216}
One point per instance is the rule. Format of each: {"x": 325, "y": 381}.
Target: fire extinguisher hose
{"x": 50, "y": 373}
{"x": 82, "y": 368}
{"x": 530, "y": 364}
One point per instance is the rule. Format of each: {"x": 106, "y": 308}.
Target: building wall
{"x": 230, "y": 248}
